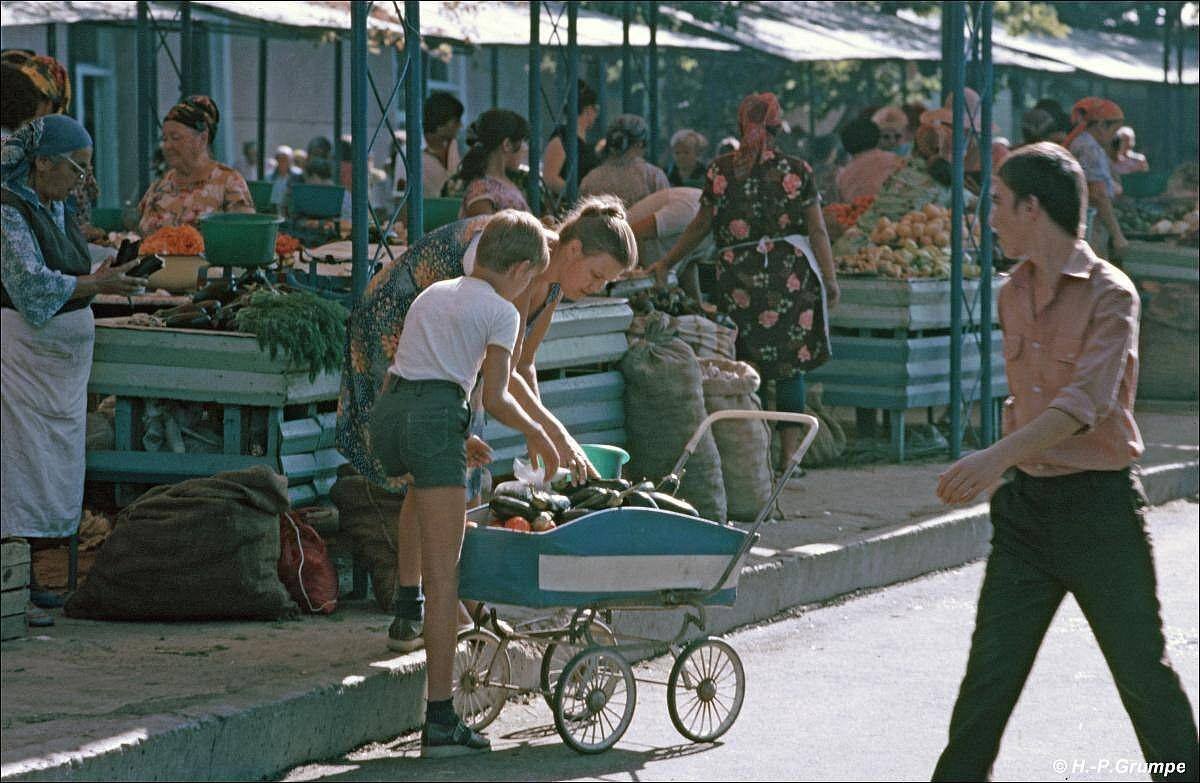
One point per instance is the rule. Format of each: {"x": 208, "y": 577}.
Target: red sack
{"x": 304, "y": 565}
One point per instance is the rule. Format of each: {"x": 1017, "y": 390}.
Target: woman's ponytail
{"x": 485, "y": 135}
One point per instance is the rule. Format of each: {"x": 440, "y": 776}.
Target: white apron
{"x": 43, "y": 422}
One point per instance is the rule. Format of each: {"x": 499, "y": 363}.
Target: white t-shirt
{"x": 448, "y": 329}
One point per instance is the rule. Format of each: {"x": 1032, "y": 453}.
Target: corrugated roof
{"x": 283, "y": 13}
{"x": 1111, "y": 55}
{"x": 826, "y": 31}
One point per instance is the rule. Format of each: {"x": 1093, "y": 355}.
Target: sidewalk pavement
{"x": 245, "y": 700}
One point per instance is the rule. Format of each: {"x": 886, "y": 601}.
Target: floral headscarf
{"x": 1089, "y": 110}
{"x": 198, "y": 112}
{"x": 757, "y": 112}
{"x": 47, "y": 74}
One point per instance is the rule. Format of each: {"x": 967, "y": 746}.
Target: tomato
{"x": 520, "y": 524}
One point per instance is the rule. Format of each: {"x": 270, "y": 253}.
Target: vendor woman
{"x": 195, "y": 185}
{"x": 46, "y": 332}
{"x": 593, "y": 247}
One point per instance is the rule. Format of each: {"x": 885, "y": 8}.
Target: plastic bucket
{"x": 260, "y": 192}
{"x": 108, "y": 218}
{"x": 238, "y": 239}
{"x": 317, "y": 201}
{"x": 607, "y": 459}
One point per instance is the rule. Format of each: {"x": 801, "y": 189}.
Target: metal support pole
{"x": 571, "y": 123}
{"x": 601, "y": 90}
{"x": 652, "y": 79}
{"x": 414, "y": 133}
{"x": 52, "y": 40}
{"x": 987, "y": 95}
{"x": 903, "y": 83}
{"x": 535, "y": 108}
{"x": 359, "y": 142}
{"x": 810, "y": 81}
{"x": 627, "y": 60}
{"x": 339, "y": 105}
{"x": 186, "y": 55}
{"x": 261, "y": 135}
{"x": 495, "y": 77}
{"x": 957, "y": 73}
{"x": 145, "y": 75}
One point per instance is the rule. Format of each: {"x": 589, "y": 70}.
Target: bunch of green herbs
{"x": 309, "y": 330}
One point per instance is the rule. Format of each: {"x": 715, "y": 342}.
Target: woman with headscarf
{"x": 1096, "y": 121}
{"x": 625, "y": 173}
{"x": 195, "y": 185}
{"x": 46, "y": 286}
{"x": 775, "y": 271}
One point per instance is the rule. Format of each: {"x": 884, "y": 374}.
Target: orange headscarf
{"x": 47, "y": 74}
{"x": 1089, "y": 110}
{"x": 757, "y": 112}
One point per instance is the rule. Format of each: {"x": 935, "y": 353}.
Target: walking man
{"x": 1071, "y": 519}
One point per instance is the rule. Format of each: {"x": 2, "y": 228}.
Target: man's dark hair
{"x": 1062, "y": 120}
{"x": 859, "y": 136}
{"x": 19, "y": 100}
{"x": 1049, "y": 172}
{"x": 440, "y": 108}
{"x": 587, "y": 97}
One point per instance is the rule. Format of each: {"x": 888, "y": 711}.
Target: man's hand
{"x": 540, "y": 445}
{"x": 573, "y": 458}
{"x": 479, "y": 453}
{"x": 975, "y": 473}
{"x": 833, "y": 294}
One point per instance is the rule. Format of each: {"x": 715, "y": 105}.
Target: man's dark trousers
{"x": 1084, "y": 533}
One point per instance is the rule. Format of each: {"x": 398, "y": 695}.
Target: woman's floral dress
{"x": 764, "y": 282}
{"x": 169, "y": 202}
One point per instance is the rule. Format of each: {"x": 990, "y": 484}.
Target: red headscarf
{"x": 757, "y": 112}
{"x": 1089, "y": 110}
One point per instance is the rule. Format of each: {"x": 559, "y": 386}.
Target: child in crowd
{"x": 419, "y": 427}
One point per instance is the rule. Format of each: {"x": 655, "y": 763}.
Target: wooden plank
{"x": 299, "y": 468}
{"x": 163, "y": 467}
{"x": 328, "y": 461}
{"x": 299, "y": 436}
{"x": 324, "y": 484}
{"x": 14, "y": 553}
{"x": 118, "y": 342}
{"x": 594, "y": 315}
{"x": 302, "y": 495}
{"x": 274, "y": 417}
{"x": 328, "y": 422}
{"x": 583, "y": 388}
{"x": 14, "y": 602}
{"x": 906, "y": 304}
{"x": 15, "y": 575}
{"x": 14, "y": 627}
{"x": 123, "y": 424}
{"x": 578, "y": 351}
{"x": 588, "y": 416}
{"x": 232, "y": 442}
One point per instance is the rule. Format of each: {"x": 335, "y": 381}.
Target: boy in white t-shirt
{"x": 419, "y": 426}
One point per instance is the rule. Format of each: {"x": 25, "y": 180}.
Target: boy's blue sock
{"x": 409, "y": 603}
{"x": 440, "y": 712}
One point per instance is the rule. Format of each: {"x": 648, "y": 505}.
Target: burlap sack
{"x": 830, "y": 443}
{"x": 201, "y": 549}
{"x": 370, "y": 517}
{"x": 744, "y": 445}
{"x": 707, "y": 338}
{"x": 664, "y": 405}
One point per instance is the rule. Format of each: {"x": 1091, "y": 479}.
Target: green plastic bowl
{"x": 108, "y": 218}
{"x": 607, "y": 459}
{"x": 238, "y": 239}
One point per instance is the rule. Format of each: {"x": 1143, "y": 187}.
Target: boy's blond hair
{"x": 511, "y": 237}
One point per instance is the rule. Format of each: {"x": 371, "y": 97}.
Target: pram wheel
{"x": 481, "y": 663}
{"x": 594, "y": 700}
{"x": 705, "y": 689}
{"x": 558, "y": 654}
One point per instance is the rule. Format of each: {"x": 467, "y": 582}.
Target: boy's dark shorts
{"x": 420, "y": 427}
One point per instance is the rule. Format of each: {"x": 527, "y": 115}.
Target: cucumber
{"x": 504, "y": 507}
{"x": 604, "y": 498}
{"x": 638, "y": 499}
{"x": 583, "y": 493}
{"x": 619, "y": 484}
{"x": 671, "y": 503}
{"x": 573, "y": 514}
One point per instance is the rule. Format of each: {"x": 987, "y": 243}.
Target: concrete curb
{"x": 329, "y": 721}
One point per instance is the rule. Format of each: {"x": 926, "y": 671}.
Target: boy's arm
{"x": 499, "y": 402}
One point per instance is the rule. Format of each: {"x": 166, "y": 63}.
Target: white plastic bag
{"x": 523, "y": 470}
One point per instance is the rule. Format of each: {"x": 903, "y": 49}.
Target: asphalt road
{"x": 858, "y": 690}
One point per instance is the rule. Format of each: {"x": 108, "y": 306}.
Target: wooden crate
{"x": 255, "y": 394}
{"x": 910, "y": 305}
{"x": 14, "y": 598}
{"x": 586, "y": 333}
{"x": 899, "y": 373}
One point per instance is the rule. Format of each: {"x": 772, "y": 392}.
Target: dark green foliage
{"x": 309, "y": 330}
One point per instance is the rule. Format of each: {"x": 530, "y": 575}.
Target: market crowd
{"x": 747, "y": 234}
